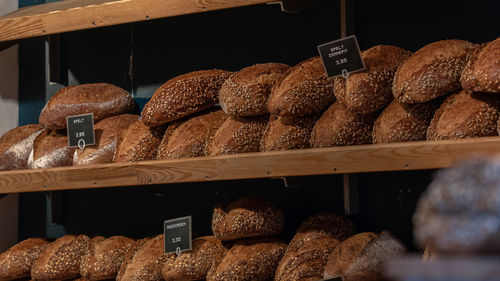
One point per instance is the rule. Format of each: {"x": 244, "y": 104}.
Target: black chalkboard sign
{"x": 341, "y": 57}
{"x": 80, "y": 130}
{"x": 177, "y": 235}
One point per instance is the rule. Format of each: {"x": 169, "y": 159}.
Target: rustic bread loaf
{"x": 61, "y": 259}
{"x": 370, "y": 90}
{"x": 107, "y": 132}
{"x": 482, "y": 71}
{"x": 138, "y": 143}
{"x": 283, "y": 133}
{"x": 465, "y": 115}
{"x": 432, "y": 71}
{"x": 16, "y": 262}
{"x": 323, "y": 225}
{"x": 50, "y": 149}
{"x": 102, "y": 99}
{"x": 247, "y": 217}
{"x": 245, "y": 93}
{"x": 183, "y": 95}
{"x": 191, "y": 137}
{"x": 16, "y": 145}
{"x": 305, "y": 90}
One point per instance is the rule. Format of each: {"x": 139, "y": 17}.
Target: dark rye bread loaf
{"x": 16, "y": 146}
{"x": 138, "y": 143}
{"x": 191, "y": 137}
{"x": 245, "y": 93}
{"x": 283, "y": 133}
{"x": 482, "y": 71}
{"x": 101, "y": 99}
{"x": 432, "y": 71}
{"x": 305, "y": 90}
{"x": 247, "y": 217}
{"x": 183, "y": 95}
{"x": 61, "y": 259}
{"x": 465, "y": 115}
{"x": 50, "y": 149}
{"x": 107, "y": 132}
{"x": 370, "y": 90}
{"x": 16, "y": 262}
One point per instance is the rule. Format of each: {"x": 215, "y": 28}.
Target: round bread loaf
{"x": 138, "y": 143}
{"x": 323, "y": 225}
{"x": 245, "y": 93}
{"x": 50, "y": 149}
{"x": 305, "y": 90}
{"x": 370, "y": 90}
{"x": 465, "y": 115}
{"x": 482, "y": 71}
{"x": 16, "y": 145}
{"x": 16, "y": 262}
{"x": 183, "y": 95}
{"x": 101, "y": 99}
{"x": 432, "y": 71}
{"x": 284, "y": 133}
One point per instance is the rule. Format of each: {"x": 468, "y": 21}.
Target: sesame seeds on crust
{"x": 482, "y": 72}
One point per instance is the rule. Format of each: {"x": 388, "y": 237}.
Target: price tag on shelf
{"x": 80, "y": 130}
{"x": 341, "y": 57}
{"x": 178, "y": 236}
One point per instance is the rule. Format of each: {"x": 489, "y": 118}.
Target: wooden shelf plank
{"x": 350, "y": 159}
{"x": 71, "y": 15}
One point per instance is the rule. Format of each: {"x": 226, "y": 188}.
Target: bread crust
{"x": 482, "y": 71}
{"x": 16, "y": 145}
{"x": 16, "y": 262}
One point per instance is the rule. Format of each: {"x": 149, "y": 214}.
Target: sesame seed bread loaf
{"x": 247, "y": 217}
{"x": 105, "y": 257}
{"x": 482, "y": 71}
{"x": 138, "y": 143}
{"x": 183, "y": 95}
{"x": 465, "y": 115}
{"x": 16, "y": 145}
{"x": 191, "y": 137}
{"x": 432, "y": 71}
{"x": 370, "y": 90}
{"x": 16, "y": 262}
{"x": 107, "y": 132}
{"x": 283, "y": 133}
{"x": 50, "y": 149}
{"x": 102, "y": 99}
{"x": 245, "y": 93}
{"x": 305, "y": 90}
{"x": 61, "y": 259}
{"x": 323, "y": 225}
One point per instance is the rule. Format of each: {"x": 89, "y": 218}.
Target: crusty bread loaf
{"x": 191, "y": 137}
{"x": 16, "y": 145}
{"x": 247, "y": 217}
{"x": 305, "y": 90}
{"x": 107, "y": 132}
{"x": 238, "y": 135}
{"x": 323, "y": 225}
{"x": 183, "y": 95}
{"x": 253, "y": 259}
{"x": 61, "y": 259}
{"x": 340, "y": 126}
{"x": 102, "y": 99}
{"x": 432, "y": 71}
{"x": 465, "y": 115}
{"x": 105, "y": 257}
{"x": 16, "y": 262}
{"x": 482, "y": 71}
{"x": 50, "y": 149}
{"x": 370, "y": 90}
{"x": 283, "y": 133}
{"x": 138, "y": 143}
{"x": 245, "y": 93}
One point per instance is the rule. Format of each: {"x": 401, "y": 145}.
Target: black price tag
{"x": 177, "y": 235}
{"x": 341, "y": 57}
{"x": 80, "y": 130}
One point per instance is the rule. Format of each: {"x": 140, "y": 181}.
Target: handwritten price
{"x": 341, "y": 61}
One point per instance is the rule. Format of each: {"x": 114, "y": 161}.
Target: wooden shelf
{"x": 335, "y": 160}
{"x": 71, "y": 15}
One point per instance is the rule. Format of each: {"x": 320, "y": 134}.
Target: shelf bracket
{"x": 293, "y": 6}
{"x": 351, "y": 194}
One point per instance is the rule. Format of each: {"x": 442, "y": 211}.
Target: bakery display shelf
{"x": 71, "y": 15}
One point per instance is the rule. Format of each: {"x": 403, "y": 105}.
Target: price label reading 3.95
{"x": 341, "y": 57}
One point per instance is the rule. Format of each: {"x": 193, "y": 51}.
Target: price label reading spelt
{"x": 80, "y": 130}
{"x": 177, "y": 233}
{"x": 341, "y": 57}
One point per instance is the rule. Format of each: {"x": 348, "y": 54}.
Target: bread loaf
{"x": 16, "y": 145}
{"x": 183, "y": 95}
{"x": 101, "y": 99}
{"x": 138, "y": 143}
{"x": 465, "y": 115}
{"x": 283, "y": 133}
{"x": 370, "y": 90}
{"x": 305, "y": 90}
{"x": 482, "y": 71}
{"x": 247, "y": 217}
{"x": 16, "y": 262}
{"x": 191, "y": 137}
{"x": 107, "y": 132}
{"x": 245, "y": 93}
{"x": 50, "y": 149}
{"x": 61, "y": 259}
{"x": 432, "y": 71}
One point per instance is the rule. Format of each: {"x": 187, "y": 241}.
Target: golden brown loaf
{"x": 138, "y": 143}
{"x": 370, "y": 90}
{"x": 283, "y": 133}
{"x": 305, "y": 90}
{"x": 16, "y": 262}
{"x": 323, "y": 225}
{"x": 432, "y": 71}
{"x": 183, "y": 95}
{"x": 16, "y": 145}
{"x": 50, "y": 149}
{"x": 245, "y": 93}
{"x": 102, "y": 99}
{"x": 482, "y": 71}
{"x": 247, "y": 217}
